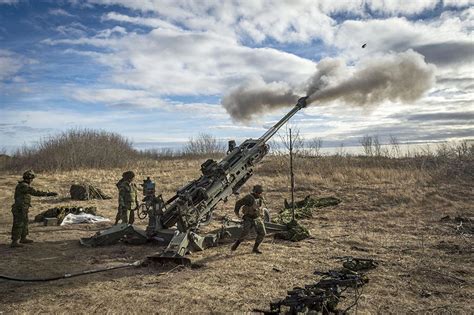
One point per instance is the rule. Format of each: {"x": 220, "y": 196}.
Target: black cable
{"x": 71, "y": 275}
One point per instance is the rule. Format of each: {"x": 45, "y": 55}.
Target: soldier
{"x": 252, "y": 217}
{"x": 128, "y": 197}
{"x": 23, "y": 193}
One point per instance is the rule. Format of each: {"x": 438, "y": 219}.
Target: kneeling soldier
{"x": 23, "y": 193}
{"x": 253, "y": 213}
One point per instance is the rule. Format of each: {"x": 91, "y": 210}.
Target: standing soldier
{"x": 253, "y": 213}
{"x": 128, "y": 198}
{"x": 23, "y": 193}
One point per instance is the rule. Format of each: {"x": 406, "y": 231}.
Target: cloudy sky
{"x": 156, "y": 71}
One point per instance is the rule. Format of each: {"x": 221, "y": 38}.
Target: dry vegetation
{"x": 391, "y": 211}
{"x": 88, "y": 148}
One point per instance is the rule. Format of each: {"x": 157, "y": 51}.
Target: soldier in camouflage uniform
{"x": 23, "y": 193}
{"x": 252, "y": 217}
{"x": 128, "y": 198}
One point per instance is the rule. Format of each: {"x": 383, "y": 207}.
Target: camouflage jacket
{"x": 128, "y": 197}
{"x": 23, "y": 193}
{"x": 251, "y": 206}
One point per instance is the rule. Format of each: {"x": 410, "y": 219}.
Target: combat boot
{"x": 26, "y": 241}
{"x": 255, "y": 249}
{"x": 236, "y": 244}
{"x": 15, "y": 244}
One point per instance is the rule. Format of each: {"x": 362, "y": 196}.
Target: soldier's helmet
{"x": 128, "y": 175}
{"x": 258, "y": 189}
{"x": 29, "y": 174}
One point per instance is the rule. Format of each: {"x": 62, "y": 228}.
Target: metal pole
{"x": 292, "y": 179}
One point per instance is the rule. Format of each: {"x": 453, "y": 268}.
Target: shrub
{"x": 75, "y": 148}
{"x": 203, "y": 144}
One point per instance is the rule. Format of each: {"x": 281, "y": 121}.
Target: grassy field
{"x": 391, "y": 210}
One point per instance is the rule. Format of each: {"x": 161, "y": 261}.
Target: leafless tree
{"x": 366, "y": 143}
{"x": 395, "y": 144}
{"x": 314, "y": 146}
{"x": 377, "y": 147}
{"x": 203, "y": 144}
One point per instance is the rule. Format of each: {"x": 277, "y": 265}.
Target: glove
{"x": 51, "y": 194}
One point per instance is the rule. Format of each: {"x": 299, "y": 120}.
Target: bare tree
{"x": 377, "y": 147}
{"x": 464, "y": 150}
{"x": 298, "y": 141}
{"x": 203, "y": 144}
{"x": 395, "y": 144}
{"x": 341, "y": 151}
{"x": 314, "y": 146}
{"x": 366, "y": 143}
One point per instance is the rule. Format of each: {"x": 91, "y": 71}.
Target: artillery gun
{"x": 193, "y": 204}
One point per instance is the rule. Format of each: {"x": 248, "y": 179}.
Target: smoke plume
{"x": 397, "y": 77}
{"x": 247, "y": 101}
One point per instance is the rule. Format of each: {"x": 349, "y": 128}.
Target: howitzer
{"x": 192, "y": 205}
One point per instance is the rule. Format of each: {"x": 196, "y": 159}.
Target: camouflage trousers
{"x": 20, "y": 223}
{"x": 126, "y": 215}
{"x": 249, "y": 223}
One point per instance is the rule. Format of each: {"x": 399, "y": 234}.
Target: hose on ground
{"x": 71, "y": 275}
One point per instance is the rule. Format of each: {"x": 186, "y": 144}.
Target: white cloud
{"x": 458, "y": 3}
{"x": 75, "y": 29}
{"x": 117, "y": 97}
{"x": 402, "y": 6}
{"x": 9, "y": 1}
{"x": 59, "y": 12}
{"x": 118, "y": 30}
{"x": 171, "y": 62}
{"x": 283, "y": 21}
{"x": 151, "y": 22}
{"x": 126, "y": 98}
{"x": 11, "y": 63}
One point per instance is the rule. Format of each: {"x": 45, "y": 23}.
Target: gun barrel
{"x": 270, "y": 132}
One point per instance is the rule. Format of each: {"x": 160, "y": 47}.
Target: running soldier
{"x": 252, "y": 217}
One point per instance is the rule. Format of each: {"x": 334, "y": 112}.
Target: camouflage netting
{"x": 61, "y": 212}
{"x": 304, "y": 208}
{"x": 86, "y": 192}
{"x": 295, "y": 233}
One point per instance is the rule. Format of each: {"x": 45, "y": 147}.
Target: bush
{"x": 203, "y": 144}
{"x": 75, "y": 148}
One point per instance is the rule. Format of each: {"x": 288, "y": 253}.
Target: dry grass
{"x": 391, "y": 211}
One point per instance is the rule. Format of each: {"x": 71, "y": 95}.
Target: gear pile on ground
{"x": 321, "y": 297}
{"x": 358, "y": 264}
{"x": 304, "y": 208}
{"x": 295, "y": 233}
{"x": 86, "y": 192}
{"x": 324, "y": 296}
{"x": 61, "y": 212}
{"x": 314, "y": 203}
